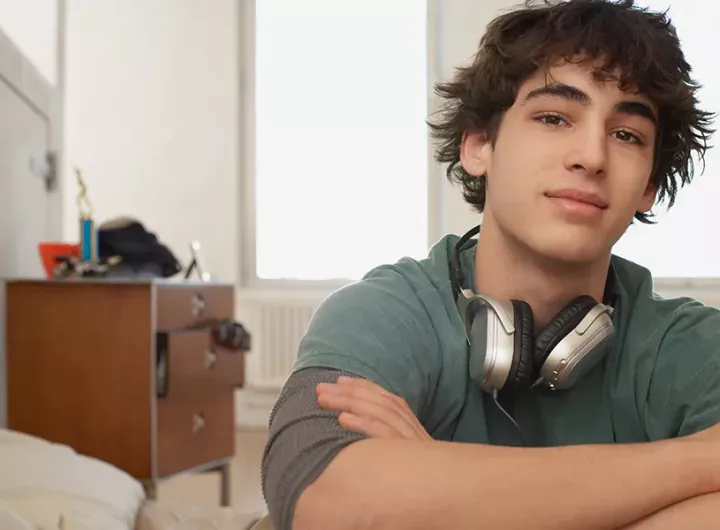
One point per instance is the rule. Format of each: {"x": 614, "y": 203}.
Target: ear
{"x": 648, "y": 198}
{"x": 476, "y": 153}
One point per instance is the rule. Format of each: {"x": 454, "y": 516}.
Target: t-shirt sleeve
{"x": 378, "y": 329}
{"x": 302, "y": 440}
{"x": 684, "y": 392}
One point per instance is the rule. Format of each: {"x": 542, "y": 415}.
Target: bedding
{"x": 11, "y": 520}
{"x": 50, "y": 487}
{"x": 47, "y": 486}
{"x": 162, "y": 516}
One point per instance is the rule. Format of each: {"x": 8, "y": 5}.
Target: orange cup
{"x": 49, "y": 252}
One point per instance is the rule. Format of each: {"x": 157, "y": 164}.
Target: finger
{"x": 369, "y": 390}
{"x": 367, "y": 408}
{"x": 382, "y": 423}
{"x": 376, "y": 389}
{"x": 364, "y": 383}
{"x": 366, "y": 389}
{"x": 370, "y": 393}
{"x": 321, "y": 388}
{"x": 398, "y": 401}
{"x": 385, "y": 400}
{"x": 367, "y": 426}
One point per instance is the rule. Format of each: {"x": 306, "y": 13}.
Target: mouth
{"x": 578, "y": 197}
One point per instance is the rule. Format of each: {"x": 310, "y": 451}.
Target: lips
{"x": 585, "y": 197}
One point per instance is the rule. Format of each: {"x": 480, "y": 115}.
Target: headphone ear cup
{"x": 522, "y": 370}
{"x": 563, "y": 323}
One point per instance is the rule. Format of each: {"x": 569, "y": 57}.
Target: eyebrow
{"x": 574, "y": 94}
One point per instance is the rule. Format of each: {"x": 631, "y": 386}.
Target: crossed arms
{"x": 396, "y": 477}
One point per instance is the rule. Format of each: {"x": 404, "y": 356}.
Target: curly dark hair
{"x": 640, "y": 45}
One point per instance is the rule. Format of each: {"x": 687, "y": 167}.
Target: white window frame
{"x": 705, "y": 289}
{"x": 248, "y": 272}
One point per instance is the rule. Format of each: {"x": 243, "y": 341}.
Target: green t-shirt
{"x": 399, "y": 327}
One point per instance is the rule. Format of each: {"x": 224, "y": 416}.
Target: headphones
{"x": 505, "y": 352}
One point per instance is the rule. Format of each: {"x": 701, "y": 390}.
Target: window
{"x": 341, "y": 143}
{"x": 681, "y": 244}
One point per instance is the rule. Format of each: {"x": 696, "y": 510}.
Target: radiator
{"x": 276, "y": 321}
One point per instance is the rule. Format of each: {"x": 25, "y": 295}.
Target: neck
{"x": 506, "y": 269}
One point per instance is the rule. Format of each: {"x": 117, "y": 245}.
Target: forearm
{"x": 698, "y": 512}
{"x": 399, "y": 484}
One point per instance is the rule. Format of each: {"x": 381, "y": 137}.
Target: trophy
{"x": 88, "y": 231}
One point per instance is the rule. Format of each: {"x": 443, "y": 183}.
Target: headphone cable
{"x": 495, "y": 394}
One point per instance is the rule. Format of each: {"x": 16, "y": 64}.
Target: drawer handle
{"x": 198, "y": 422}
{"x": 210, "y": 359}
{"x": 197, "y": 305}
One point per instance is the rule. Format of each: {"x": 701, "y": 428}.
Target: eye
{"x": 551, "y": 119}
{"x": 628, "y": 137}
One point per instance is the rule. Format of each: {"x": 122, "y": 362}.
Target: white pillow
{"x": 43, "y": 481}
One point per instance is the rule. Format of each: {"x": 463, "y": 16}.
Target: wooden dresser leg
{"x": 225, "y": 485}
{"x": 150, "y": 490}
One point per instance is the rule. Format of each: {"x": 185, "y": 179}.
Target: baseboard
{"x": 253, "y": 407}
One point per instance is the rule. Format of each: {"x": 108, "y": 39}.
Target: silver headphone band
{"x": 579, "y": 350}
{"x": 503, "y": 309}
{"x": 499, "y": 354}
{"x": 496, "y": 329}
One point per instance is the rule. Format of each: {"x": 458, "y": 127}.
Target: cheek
{"x": 630, "y": 184}
{"x": 503, "y": 182}
{"x": 628, "y": 201}
{"x": 517, "y": 167}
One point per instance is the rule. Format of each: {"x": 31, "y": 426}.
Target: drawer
{"x": 189, "y": 363}
{"x": 188, "y": 305}
{"x": 192, "y": 431}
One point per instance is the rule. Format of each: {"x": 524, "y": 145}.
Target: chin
{"x": 557, "y": 242}
{"x": 569, "y": 249}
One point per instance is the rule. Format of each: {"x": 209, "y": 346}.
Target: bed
{"x": 46, "y": 486}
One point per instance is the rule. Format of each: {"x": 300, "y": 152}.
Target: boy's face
{"x": 571, "y": 164}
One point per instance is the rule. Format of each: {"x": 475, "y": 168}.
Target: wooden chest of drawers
{"x": 125, "y": 372}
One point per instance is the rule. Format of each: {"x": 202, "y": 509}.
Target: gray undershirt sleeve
{"x": 303, "y": 440}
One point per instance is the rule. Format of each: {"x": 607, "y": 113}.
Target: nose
{"x": 588, "y": 150}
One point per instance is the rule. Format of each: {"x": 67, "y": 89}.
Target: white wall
{"x": 152, "y": 118}
{"x": 32, "y": 26}
{"x": 152, "y": 115}
{"x": 459, "y": 25}
{"x": 152, "y": 110}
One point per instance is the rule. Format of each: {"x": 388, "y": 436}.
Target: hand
{"x": 370, "y": 409}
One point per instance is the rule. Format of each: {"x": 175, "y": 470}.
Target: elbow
{"x": 307, "y": 514}
{"x": 304, "y": 514}
{"x": 312, "y": 504}
{"x": 321, "y": 508}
